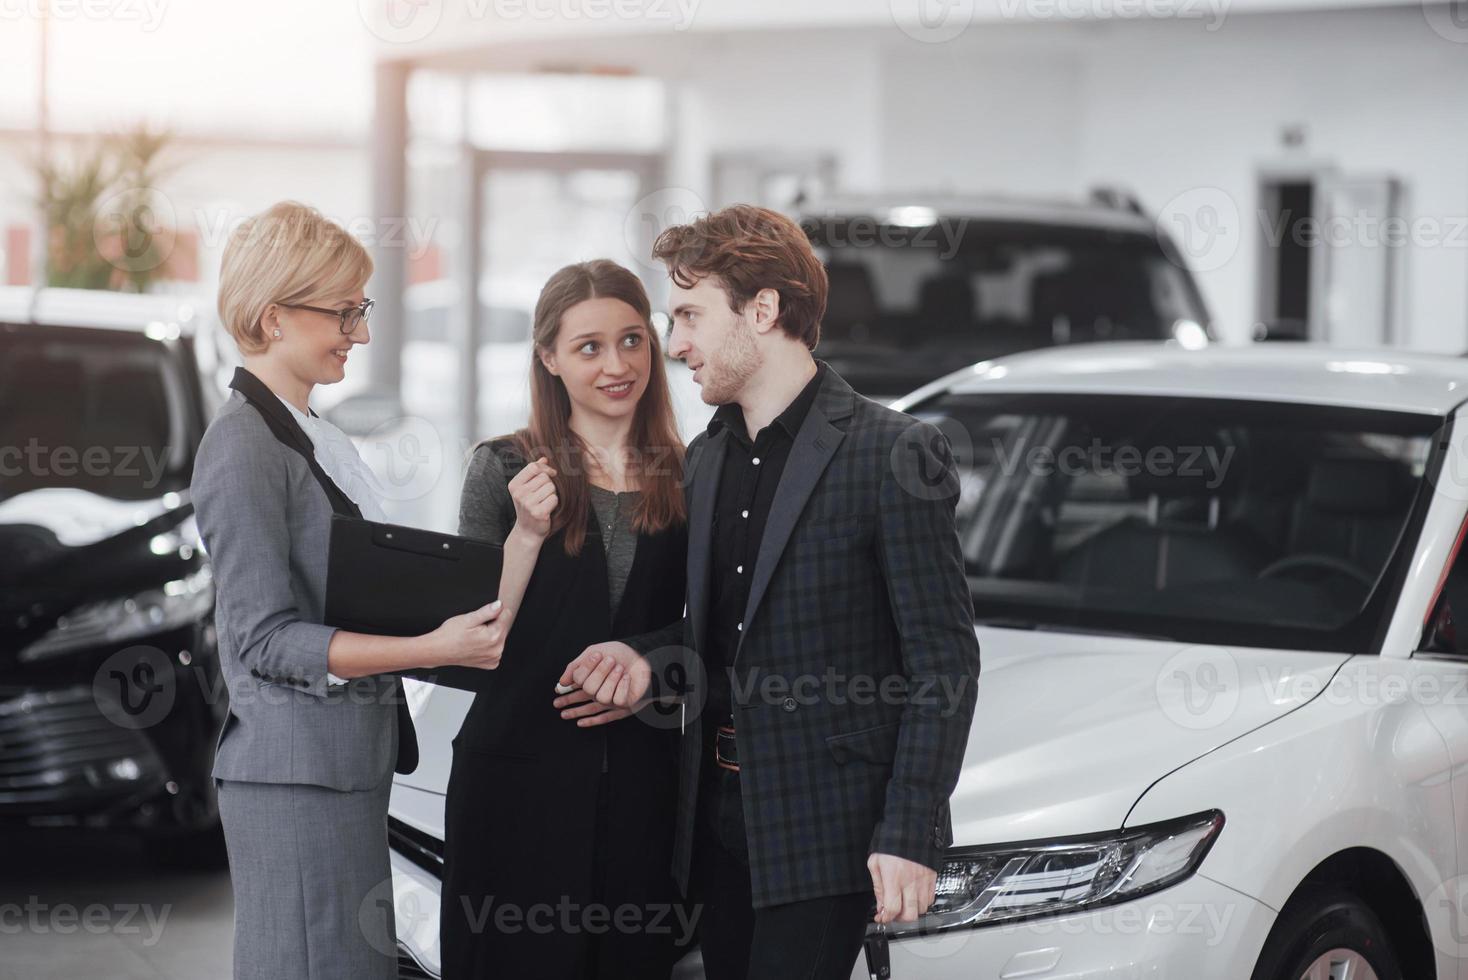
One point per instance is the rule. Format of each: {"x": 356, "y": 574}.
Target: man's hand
{"x": 612, "y": 674}
{"x": 904, "y": 889}
{"x": 586, "y": 710}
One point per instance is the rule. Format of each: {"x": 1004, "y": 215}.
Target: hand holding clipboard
{"x": 390, "y": 580}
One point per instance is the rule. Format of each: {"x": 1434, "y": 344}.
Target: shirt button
{"x": 740, "y": 627}
{"x": 739, "y": 569}
{"x": 756, "y": 461}
{"x": 744, "y": 513}
{"x": 788, "y": 704}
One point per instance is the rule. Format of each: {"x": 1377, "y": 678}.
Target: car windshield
{"x": 961, "y": 291}
{"x": 1218, "y": 521}
{"x": 97, "y": 410}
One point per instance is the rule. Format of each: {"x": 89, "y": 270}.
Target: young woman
{"x": 558, "y": 835}
{"x": 316, "y": 725}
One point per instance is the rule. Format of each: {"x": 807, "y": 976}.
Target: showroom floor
{"x": 77, "y": 906}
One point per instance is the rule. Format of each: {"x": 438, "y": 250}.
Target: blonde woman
{"x": 316, "y": 724}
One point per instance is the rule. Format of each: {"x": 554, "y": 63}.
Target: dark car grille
{"x": 59, "y": 753}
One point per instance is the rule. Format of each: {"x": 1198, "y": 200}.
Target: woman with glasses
{"x": 316, "y": 722}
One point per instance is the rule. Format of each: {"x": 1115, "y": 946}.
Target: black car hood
{"x": 60, "y": 547}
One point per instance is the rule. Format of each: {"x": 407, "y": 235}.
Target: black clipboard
{"x": 390, "y": 580}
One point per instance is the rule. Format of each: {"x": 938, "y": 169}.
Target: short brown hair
{"x": 746, "y": 249}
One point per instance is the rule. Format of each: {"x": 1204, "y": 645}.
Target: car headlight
{"x": 983, "y": 885}
{"x": 156, "y": 610}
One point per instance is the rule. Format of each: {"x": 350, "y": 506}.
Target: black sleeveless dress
{"x": 558, "y": 837}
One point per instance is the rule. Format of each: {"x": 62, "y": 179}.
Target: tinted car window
{"x": 958, "y": 292}
{"x": 1203, "y": 520}
{"x": 99, "y": 410}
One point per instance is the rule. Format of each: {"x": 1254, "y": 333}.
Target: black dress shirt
{"x": 747, "y": 484}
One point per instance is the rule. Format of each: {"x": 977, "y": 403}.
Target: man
{"x": 828, "y": 606}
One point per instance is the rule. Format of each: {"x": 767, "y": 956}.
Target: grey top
{"x": 486, "y": 500}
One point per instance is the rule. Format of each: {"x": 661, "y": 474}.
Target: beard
{"x": 730, "y": 367}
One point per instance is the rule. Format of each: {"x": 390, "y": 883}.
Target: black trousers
{"x": 818, "y": 939}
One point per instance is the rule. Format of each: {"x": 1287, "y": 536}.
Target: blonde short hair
{"x": 289, "y": 253}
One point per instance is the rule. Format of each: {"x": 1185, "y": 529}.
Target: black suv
{"x": 110, "y": 692}
{"x": 922, "y": 286}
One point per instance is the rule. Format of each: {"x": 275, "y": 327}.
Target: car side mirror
{"x": 362, "y": 413}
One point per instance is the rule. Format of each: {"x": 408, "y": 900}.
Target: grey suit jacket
{"x": 266, "y": 523}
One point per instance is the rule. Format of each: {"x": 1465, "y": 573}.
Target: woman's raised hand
{"x": 534, "y": 494}
{"x": 474, "y": 639}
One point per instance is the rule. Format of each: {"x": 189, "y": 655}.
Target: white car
{"x": 1222, "y": 722}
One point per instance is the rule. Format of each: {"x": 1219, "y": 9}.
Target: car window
{"x": 984, "y": 289}
{"x": 1446, "y": 630}
{"x": 1198, "y": 519}
{"x": 98, "y": 410}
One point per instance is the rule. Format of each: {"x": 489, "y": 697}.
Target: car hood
{"x": 60, "y": 547}
{"x": 1070, "y": 730}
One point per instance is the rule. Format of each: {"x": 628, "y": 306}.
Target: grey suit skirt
{"x": 312, "y": 884}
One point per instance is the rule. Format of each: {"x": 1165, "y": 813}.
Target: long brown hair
{"x": 657, "y": 450}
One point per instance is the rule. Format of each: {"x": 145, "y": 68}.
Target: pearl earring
{"x": 276, "y": 334}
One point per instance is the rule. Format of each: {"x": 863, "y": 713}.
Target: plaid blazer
{"x": 854, "y": 680}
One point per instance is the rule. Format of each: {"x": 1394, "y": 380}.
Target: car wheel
{"x": 1328, "y": 934}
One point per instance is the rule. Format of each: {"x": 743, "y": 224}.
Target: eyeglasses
{"x": 350, "y": 317}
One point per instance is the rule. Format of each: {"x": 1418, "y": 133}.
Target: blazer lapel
{"x": 814, "y": 446}
{"x": 704, "y": 488}
{"x": 258, "y": 394}
{"x": 288, "y": 432}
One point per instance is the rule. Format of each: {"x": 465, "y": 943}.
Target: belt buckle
{"x": 722, "y": 738}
